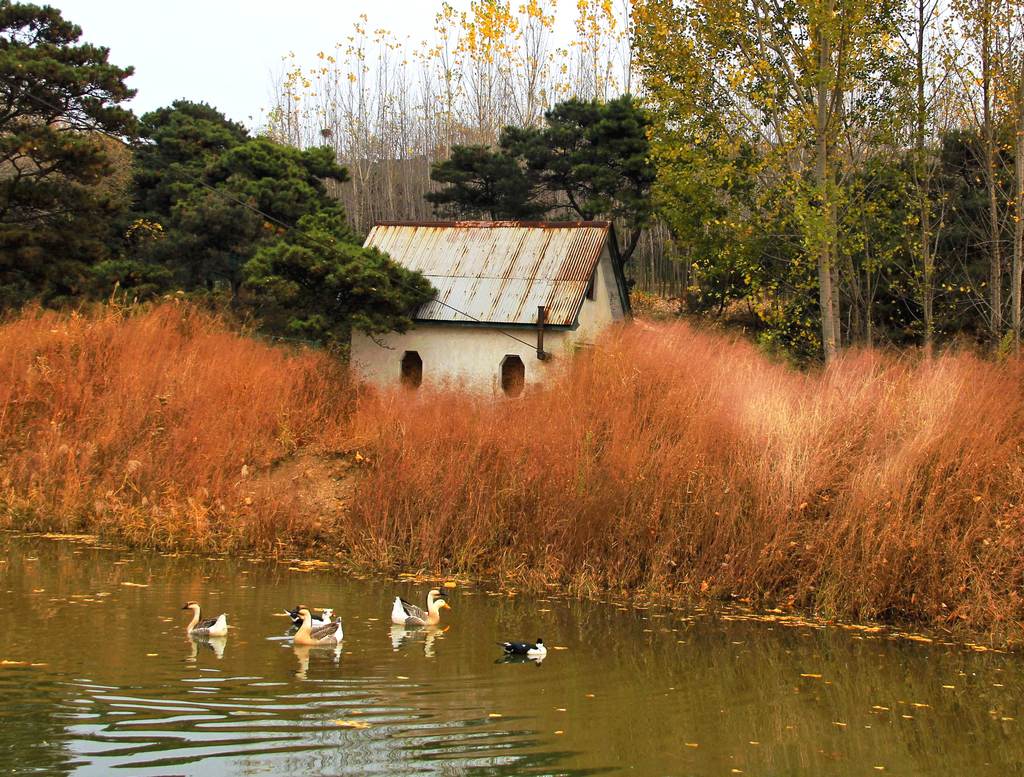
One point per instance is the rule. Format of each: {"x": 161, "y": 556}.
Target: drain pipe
{"x": 541, "y": 318}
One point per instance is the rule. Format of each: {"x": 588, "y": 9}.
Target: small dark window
{"x": 513, "y": 375}
{"x": 412, "y": 369}
{"x": 591, "y": 285}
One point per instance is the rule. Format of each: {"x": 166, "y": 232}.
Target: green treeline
{"x": 826, "y": 173}
{"x": 849, "y": 172}
{"x": 94, "y": 201}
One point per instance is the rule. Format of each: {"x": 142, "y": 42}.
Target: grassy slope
{"x": 666, "y": 460}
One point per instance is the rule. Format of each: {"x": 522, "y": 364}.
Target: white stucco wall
{"x": 471, "y": 356}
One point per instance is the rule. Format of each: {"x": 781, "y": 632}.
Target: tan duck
{"x": 405, "y": 614}
{"x": 212, "y": 627}
{"x": 327, "y": 634}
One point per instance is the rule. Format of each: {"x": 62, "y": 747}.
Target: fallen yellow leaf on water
{"x": 135, "y": 585}
{"x": 878, "y": 768}
{"x": 919, "y": 705}
{"x": 494, "y": 715}
{"x": 559, "y": 647}
{"x": 949, "y": 687}
{"x": 589, "y": 695}
{"x": 691, "y": 744}
{"x": 879, "y": 707}
{"x": 401, "y": 677}
{"x": 351, "y": 723}
{"x": 811, "y": 675}
{"x": 837, "y": 723}
{"x": 559, "y": 732}
{"x": 151, "y": 655}
{"x": 559, "y": 709}
{"x": 7, "y": 662}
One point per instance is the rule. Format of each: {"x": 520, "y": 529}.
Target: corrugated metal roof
{"x": 498, "y": 272}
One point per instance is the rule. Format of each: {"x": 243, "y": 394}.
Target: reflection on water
{"x": 117, "y": 685}
{"x": 303, "y": 653}
{"x": 405, "y": 635}
{"x": 214, "y": 644}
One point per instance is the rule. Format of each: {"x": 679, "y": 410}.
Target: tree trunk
{"x": 995, "y": 256}
{"x": 924, "y": 188}
{"x": 1018, "y": 221}
{"x": 826, "y": 297}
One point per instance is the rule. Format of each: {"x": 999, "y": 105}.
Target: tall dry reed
{"x": 154, "y": 426}
{"x": 666, "y": 460}
{"x": 678, "y": 461}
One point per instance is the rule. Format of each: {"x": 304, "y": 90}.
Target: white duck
{"x": 405, "y": 614}
{"x": 212, "y": 627}
{"x": 328, "y": 634}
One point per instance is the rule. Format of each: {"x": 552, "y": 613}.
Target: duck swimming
{"x": 322, "y": 619}
{"x": 212, "y": 627}
{"x": 528, "y": 649}
{"x": 327, "y": 634}
{"x": 405, "y": 614}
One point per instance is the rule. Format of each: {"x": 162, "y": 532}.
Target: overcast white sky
{"x": 225, "y": 52}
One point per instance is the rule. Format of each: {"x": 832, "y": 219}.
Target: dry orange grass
{"x": 154, "y": 426}
{"x": 678, "y": 461}
{"x": 666, "y": 460}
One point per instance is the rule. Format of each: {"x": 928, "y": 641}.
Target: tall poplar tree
{"x": 791, "y": 78}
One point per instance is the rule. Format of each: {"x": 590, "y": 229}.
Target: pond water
{"x": 99, "y": 677}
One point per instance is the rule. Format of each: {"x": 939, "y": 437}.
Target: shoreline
{"x": 709, "y": 606}
{"x": 666, "y": 463}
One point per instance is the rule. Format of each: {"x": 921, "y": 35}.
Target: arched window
{"x": 412, "y": 369}
{"x": 513, "y": 375}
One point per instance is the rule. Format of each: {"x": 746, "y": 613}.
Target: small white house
{"x": 514, "y": 300}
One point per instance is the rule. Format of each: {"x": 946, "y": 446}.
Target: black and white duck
{"x": 528, "y": 649}
{"x": 322, "y": 618}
